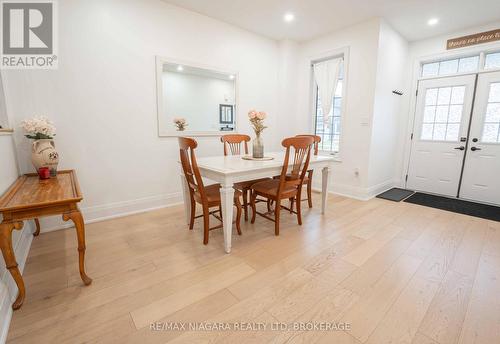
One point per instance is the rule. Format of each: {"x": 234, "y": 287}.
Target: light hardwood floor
{"x": 396, "y": 272}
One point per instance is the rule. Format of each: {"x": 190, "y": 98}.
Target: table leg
{"x": 187, "y": 199}
{"x": 37, "y": 224}
{"x": 324, "y": 188}
{"x": 227, "y": 197}
{"x": 6, "y": 229}
{"x": 76, "y": 217}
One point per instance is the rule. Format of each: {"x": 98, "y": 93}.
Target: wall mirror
{"x": 193, "y": 100}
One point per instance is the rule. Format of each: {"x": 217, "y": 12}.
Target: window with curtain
{"x": 328, "y": 122}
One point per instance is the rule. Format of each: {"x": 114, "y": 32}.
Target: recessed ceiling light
{"x": 433, "y": 21}
{"x": 180, "y": 68}
{"x": 231, "y": 77}
{"x": 288, "y": 17}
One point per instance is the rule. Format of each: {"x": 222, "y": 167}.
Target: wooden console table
{"x": 31, "y": 198}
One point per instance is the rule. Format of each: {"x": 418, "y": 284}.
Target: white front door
{"x": 481, "y": 177}
{"x": 440, "y": 132}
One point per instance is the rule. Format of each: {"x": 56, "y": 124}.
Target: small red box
{"x": 44, "y": 173}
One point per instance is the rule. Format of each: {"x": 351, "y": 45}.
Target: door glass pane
{"x": 430, "y": 69}
{"x": 444, "y": 95}
{"x": 431, "y": 96}
{"x": 493, "y": 113}
{"x": 427, "y": 131}
{"x": 448, "y": 67}
{"x": 492, "y": 61}
{"x": 491, "y": 128}
{"x": 455, "y": 115}
{"x": 452, "y": 132}
{"x": 468, "y": 64}
{"x": 429, "y": 113}
{"x": 490, "y": 132}
{"x": 439, "y": 132}
{"x": 442, "y": 121}
{"x": 457, "y": 95}
{"x": 494, "y": 93}
{"x": 442, "y": 114}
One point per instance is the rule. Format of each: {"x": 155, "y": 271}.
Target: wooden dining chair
{"x": 289, "y": 184}
{"x": 309, "y": 176}
{"x": 233, "y": 144}
{"x": 207, "y": 196}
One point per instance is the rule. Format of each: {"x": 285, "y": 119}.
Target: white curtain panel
{"x": 326, "y": 75}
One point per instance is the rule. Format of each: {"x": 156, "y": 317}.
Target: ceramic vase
{"x": 258, "y": 147}
{"x": 44, "y": 154}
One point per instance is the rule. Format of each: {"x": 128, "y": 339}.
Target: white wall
{"x": 362, "y": 43}
{"x": 387, "y": 120}
{"x": 103, "y": 96}
{"x": 288, "y": 53}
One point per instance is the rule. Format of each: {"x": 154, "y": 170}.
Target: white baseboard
{"x": 113, "y": 210}
{"x": 382, "y": 187}
{"x": 9, "y": 287}
{"x": 358, "y": 192}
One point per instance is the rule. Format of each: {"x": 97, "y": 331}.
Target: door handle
{"x": 474, "y": 149}
{"x": 460, "y": 148}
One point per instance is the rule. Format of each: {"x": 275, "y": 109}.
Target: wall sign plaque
{"x": 478, "y": 38}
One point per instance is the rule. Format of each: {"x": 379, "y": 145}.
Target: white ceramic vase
{"x": 44, "y": 154}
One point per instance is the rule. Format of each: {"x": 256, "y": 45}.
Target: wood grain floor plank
{"x": 396, "y": 272}
{"x": 444, "y": 318}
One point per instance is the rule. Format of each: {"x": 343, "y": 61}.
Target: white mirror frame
{"x": 162, "y": 132}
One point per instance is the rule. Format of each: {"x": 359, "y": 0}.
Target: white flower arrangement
{"x": 39, "y": 127}
{"x": 180, "y": 123}
{"x": 257, "y": 120}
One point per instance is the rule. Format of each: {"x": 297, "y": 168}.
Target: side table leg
{"x": 37, "y": 224}
{"x": 76, "y": 217}
{"x": 6, "y": 229}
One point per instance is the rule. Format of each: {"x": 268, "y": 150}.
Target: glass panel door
{"x": 441, "y": 123}
{"x": 481, "y": 178}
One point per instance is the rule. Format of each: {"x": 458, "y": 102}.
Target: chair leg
{"x": 299, "y": 213}
{"x": 269, "y": 204}
{"x": 245, "y": 202}
{"x": 309, "y": 191}
{"x": 206, "y": 224}
{"x": 277, "y": 218}
{"x": 291, "y": 205}
{"x": 253, "y": 196}
{"x": 193, "y": 211}
{"x": 238, "y": 214}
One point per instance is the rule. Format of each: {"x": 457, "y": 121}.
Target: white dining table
{"x": 228, "y": 170}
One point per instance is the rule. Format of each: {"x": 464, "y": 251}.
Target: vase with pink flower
{"x": 257, "y": 121}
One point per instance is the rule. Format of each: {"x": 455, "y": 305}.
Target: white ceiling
{"x": 316, "y": 17}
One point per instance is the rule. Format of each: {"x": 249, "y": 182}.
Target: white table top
{"x": 234, "y": 164}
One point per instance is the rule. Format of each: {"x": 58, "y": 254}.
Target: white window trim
{"x": 444, "y": 57}
{"x": 341, "y": 52}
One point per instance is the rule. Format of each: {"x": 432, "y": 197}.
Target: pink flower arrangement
{"x": 257, "y": 120}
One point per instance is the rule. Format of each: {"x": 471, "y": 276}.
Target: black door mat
{"x": 396, "y": 194}
{"x": 484, "y": 211}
